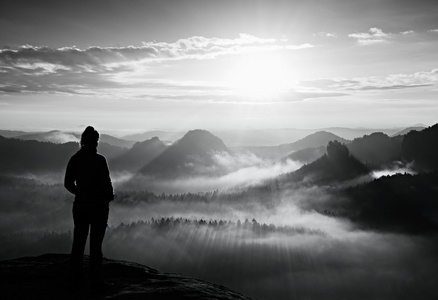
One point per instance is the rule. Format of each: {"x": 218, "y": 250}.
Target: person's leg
{"x": 99, "y": 221}
{"x": 81, "y": 222}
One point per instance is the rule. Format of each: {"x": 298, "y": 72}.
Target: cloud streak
{"x": 103, "y": 70}
{"x": 390, "y": 82}
{"x": 326, "y": 34}
{"x": 373, "y": 36}
{"x": 94, "y": 59}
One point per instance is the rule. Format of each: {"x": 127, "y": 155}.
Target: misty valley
{"x": 325, "y": 215}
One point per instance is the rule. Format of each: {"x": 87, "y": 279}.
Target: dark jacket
{"x": 88, "y": 178}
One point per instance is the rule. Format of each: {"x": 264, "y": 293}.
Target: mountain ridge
{"x": 61, "y": 137}
{"x": 45, "y": 277}
{"x": 139, "y": 155}
{"x": 33, "y": 156}
{"x": 314, "y": 140}
{"x": 187, "y": 155}
{"x": 336, "y": 165}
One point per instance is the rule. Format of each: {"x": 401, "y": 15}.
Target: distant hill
{"x": 11, "y": 133}
{"x": 30, "y": 156}
{"x": 21, "y": 156}
{"x": 407, "y": 130}
{"x": 247, "y": 137}
{"x": 306, "y": 155}
{"x": 162, "y": 135}
{"x": 336, "y": 165}
{"x": 139, "y": 155}
{"x": 44, "y": 277}
{"x": 110, "y": 151}
{"x": 317, "y": 139}
{"x": 376, "y": 149}
{"x": 190, "y": 155}
{"x": 314, "y": 140}
{"x": 105, "y": 138}
{"x": 276, "y": 136}
{"x": 353, "y": 133}
{"x": 54, "y": 136}
{"x": 60, "y": 137}
{"x": 261, "y": 137}
{"x": 421, "y": 147}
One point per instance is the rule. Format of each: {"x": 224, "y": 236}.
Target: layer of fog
{"x": 398, "y": 168}
{"x": 237, "y": 171}
{"x": 289, "y": 208}
{"x": 362, "y": 265}
{"x": 341, "y": 263}
{"x": 59, "y": 137}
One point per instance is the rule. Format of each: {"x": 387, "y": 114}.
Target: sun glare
{"x": 261, "y": 76}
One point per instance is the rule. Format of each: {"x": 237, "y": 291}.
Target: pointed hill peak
{"x": 139, "y": 155}
{"x": 409, "y": 129}
{"x": 335, "y": 166}
{"x": 202, "y": 140}
{"x": 317, "y": 139}
{"x": 192, "y": 154}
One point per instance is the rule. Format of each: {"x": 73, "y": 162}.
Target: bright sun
{"x": 261, "y": 76}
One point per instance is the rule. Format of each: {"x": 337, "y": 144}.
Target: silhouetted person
{"x": 88, "y": 178}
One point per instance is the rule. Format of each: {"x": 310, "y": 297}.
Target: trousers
{"x": 93, "y": 218}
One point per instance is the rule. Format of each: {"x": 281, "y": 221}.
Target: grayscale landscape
{"x": 361, "y": 211}
{"x": 257, "y": 149}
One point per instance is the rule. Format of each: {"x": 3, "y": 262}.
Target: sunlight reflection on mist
{"x": 390, "y": 172}
{"x": 283, "y": 266}
{"x": 397, "y": 168}
{"x": 240, "y": 175}
{"x": 315, "y": 256}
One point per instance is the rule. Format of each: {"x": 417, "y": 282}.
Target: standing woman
{"x": 88, "y": 178}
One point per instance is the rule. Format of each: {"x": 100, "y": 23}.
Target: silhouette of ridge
{"x": 187, "y": 156}
{"x": 421, "y": 147}
{"x": 376, "y": 149}
{"x": 336, "y": 165}
{"x": 314, "y": 140}
{"x": 409, "y": 129}
{"x": 399, "y": 203}
{"x": 21, "y": 156}
{"x": 60, "y": 137}
{"x": 139, "y": 155}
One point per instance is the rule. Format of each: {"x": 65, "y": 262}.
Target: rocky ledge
{"x": 45, "y": 277}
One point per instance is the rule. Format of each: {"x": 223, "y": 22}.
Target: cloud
{"x": 433, "y": 30}
{"x": 289, "y": 96}
{"x": 392, "y": 87}
{"x": 407, "y": 32}
{"x": 326, "y": 34}
{"x": 390, "y": 82}
{"x": 198, "y": 46}
{"x": 233, "y": 172}
{"x": 100, "y": 70}
{"x": 373, "y": 36}
{"x": 96, "y": 59}
{"x": 328, "y": 83}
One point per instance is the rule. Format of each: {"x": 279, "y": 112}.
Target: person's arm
{"x": 70, "y": 177}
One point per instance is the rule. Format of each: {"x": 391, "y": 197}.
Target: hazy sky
{"x": 180, "y": 64}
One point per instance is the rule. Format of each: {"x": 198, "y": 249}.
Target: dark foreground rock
{"x": 46, "y": 277}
